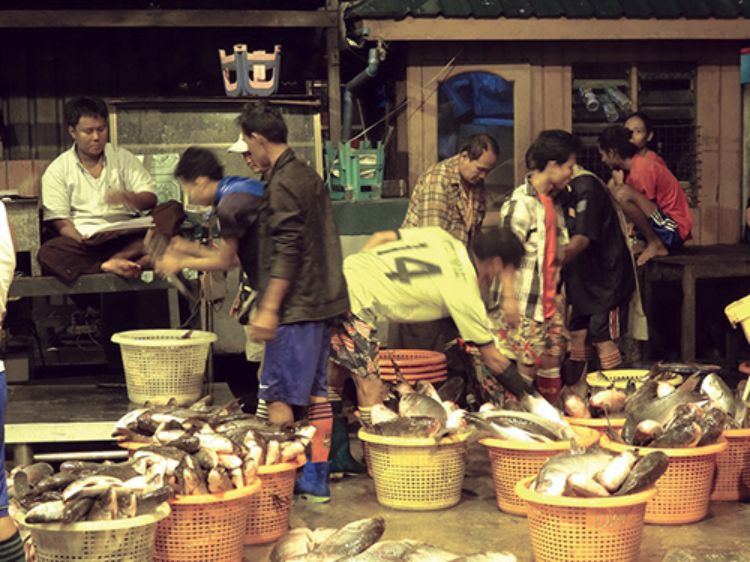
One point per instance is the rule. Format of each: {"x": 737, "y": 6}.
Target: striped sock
{"x": 321, "y": 418}
{"x": 365, "y": 414}
{"x": 334, "y": 397}
{"x": 11, "y": 550}
{"x": 261, "y": 412}
{"x": 578, "y": 354}
{"x": 611, "y": 360}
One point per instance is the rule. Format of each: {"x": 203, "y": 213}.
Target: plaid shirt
{"x": 439, "y": 199}
{"x": 524, "y": 214}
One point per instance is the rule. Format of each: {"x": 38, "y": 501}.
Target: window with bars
{"x": 604, "y": 95}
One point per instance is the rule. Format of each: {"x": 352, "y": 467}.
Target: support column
{"x": 334, "y": 78}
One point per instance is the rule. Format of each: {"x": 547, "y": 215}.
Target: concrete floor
{"x": 476, "y": 524}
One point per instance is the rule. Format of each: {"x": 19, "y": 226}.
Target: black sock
{"x": 11, "y": 549}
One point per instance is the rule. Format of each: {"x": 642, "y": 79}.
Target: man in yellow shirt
{"x": 419, "y": 275}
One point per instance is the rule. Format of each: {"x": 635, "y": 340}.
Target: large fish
{"x": 645, "y": 472}
{"x": 717, "y": 390}
{"x": 493, "y": 429}
{"x": 660, "y": 410}
{"x": 48, "y": 512}
{"x": 353, "y": 538}
{"x": 415, "y": 404}
{"x": 553, "y": 476}
{"x": 414, "y": 426}
{"x": 532, "y": 423}
{"x": 539, "y": 406}
{"x": 295, "y": 543}
{"x": 404, "y": 550}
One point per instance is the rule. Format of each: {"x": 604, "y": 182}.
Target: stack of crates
{"x": 354, "y": 174}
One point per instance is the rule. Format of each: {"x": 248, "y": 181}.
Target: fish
{"x": 616, "y": 472}
{"x": 578, "y": 485}
{"x": 533, "y": 423}
{"x": 353, "y": 538}
{"x": 664, "y": 389}
{"x": 219, "y": 480}
{"x": 573, "y": 404}
{"x": 90, "y": 486}
{"x": 711, "y": 425}
{"x": 77, "y": 509}
{"x": 296, "y": 542}
{"x": 414, "y": 426}
{"x": 643, "y": 395}
{"x": 29, "y": 476}
{"x": 553, "y": 475}
{"x": 381, "y": 413}
{"x": 104, "y": 507}
{"x": 416, "y": 404}
{"x": 490, "y": 428}
{"x": 717, "y": 390}
{"x": 48, "y": 512}
{"x": 122, "y": 471}
{"x": 127, "y": 504}
{"x": 683, "y": 434}
{"x": 661, "y": 410}
{"x": 646, "y": 431}
{"x": 645, "y": 472}
{"x": 607, "y": 402}
{"x": 538, "y": 405}
{"x": 55, "y": 482}
{"x": 77, "y": 467}
{"x": 290, "y": 451}
{"x": 217, "y": 442}
{"x": 148, "y": 502}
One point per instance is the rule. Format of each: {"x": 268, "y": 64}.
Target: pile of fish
{"x": 597, "y": 473}
{"x": 692, "y": 415}
{"x": 84, "y": 491}
{"x": 531, "y": 419}
{"x": 421, "y": 413}
{"x": 358, "y": 542}
{"x": 596, "y": 403}
{"x": 204, "y": 449}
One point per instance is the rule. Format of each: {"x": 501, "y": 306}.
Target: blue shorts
{"x": 295, "y": 364}
{"x": 3, "y": 483}
{"x": 666, "y": 229}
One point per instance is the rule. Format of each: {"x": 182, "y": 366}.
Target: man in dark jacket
{"x": 301, "y": 285}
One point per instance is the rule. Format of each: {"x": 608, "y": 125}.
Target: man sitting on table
{"x": 90, "y": 186}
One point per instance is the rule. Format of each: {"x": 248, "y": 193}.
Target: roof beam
{"x": 554, "y": 29}
{"x": 166, "y": 18}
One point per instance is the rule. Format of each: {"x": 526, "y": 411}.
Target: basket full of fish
{"x": 520, "y": 440}
{"x": 686, "y": 423}
{"x": 359, "y": 541}
{"x": 216, "y": 457}
{"x": 163, "y": 365}
{"x": 590, "y": 504}
{"x": 732, "y": 482}
{"x": 416, "y": 456}
{"x": 89, "y": 511}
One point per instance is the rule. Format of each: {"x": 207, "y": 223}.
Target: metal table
{"x": 68, "y": 414}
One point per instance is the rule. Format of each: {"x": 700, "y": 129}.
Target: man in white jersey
{"x": 419, "y": 275}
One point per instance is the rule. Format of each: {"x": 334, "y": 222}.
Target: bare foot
{"x": 638, "y": 247}
{"x": 122, "y": 267}
{"x": 653, "y": 250}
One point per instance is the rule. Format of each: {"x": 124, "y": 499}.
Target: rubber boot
{"x": 342, "y": 461}
{"x": 312, "y": 485}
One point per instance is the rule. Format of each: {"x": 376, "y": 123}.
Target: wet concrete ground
{"x": 476, "y": 524}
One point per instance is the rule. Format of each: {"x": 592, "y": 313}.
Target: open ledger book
{"x": 138, "y": 223}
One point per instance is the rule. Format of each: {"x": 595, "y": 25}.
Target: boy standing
{"x": 532, "y": 214}
{"x": 301, "y": 285}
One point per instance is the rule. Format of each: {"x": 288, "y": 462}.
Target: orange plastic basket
{"x": 207, "y": 527}
{"x": 599, "y": 424}
{"x": 410, "y": 358}
{"x": 515, "y": 460}
{"x": 268, "y": 519}
{"x": 566, "y": 529}
{"x": 416, "y": 474}
{"x": 685, "y": 488}
{"x": 732, "y": 482}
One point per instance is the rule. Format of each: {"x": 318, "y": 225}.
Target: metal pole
{"x": 81, "y": 456}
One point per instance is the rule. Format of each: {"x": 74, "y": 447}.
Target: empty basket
{"x": 164, "y": 364}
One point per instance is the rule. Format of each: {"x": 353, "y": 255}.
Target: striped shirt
{"x": 439, "y": 199}
{"x": 523, "y": 212}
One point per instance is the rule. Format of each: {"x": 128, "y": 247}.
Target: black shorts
{"x": 601, "y": 327}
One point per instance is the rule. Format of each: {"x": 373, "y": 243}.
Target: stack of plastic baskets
{"x": 207, "y": 527}
{"x": 161, "y": 365}
{"x": 417, "y": 474}
{"x": 268, "y": 518}
{"x": 685, "y": 488}
{"x": 104, "y": 541}
{"x": 564, "y": 529}
{"x": 513, "y": 461}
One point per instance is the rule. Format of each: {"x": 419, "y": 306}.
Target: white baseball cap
{"x": 240, "y": 146}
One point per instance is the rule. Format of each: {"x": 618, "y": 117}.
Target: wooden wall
{"x": 718, "y": 106}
